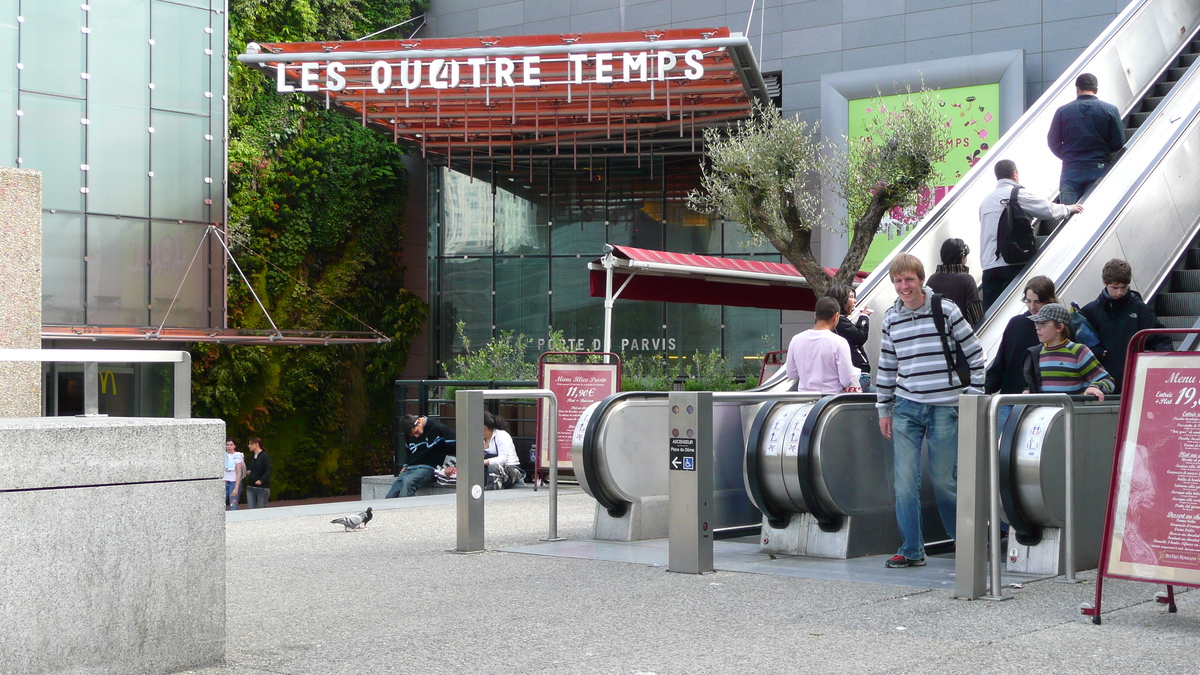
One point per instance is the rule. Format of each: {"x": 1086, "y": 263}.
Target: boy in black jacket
{"x": 1116, "y": 315}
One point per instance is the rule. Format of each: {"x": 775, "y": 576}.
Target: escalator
{"x": 1148, "y": 45}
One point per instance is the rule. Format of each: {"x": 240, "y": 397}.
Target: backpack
{"x": 1084, "y": 332}
{"x": 958, "y": 362}
{"x": 1015, "y": 241}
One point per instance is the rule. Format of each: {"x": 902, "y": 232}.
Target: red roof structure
{"x": 516, "y": 95}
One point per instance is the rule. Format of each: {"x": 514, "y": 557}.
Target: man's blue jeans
{"x": 411, "y": 479}
{"x": 937, "y": 426}
{"x": 1072, "y": 183}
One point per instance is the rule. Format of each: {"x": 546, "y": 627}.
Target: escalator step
{"x": 1137, "y": 119}
{"x": 1150, "y": 103}
{"x": 1178, "y": 304}
{"x": 1163, "y": 88}
{"x": 1186, "y": 60}
{"x": 1177, "y": 321}
{"x": 1193, "y": 258}
{"x": 1185, "y": 281}
{"x": 1176, "y": 74}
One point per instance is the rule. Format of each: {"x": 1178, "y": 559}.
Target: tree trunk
{"x": 865, "y": 229}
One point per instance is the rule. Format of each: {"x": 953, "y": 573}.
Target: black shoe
{"x": 899, "y": 560}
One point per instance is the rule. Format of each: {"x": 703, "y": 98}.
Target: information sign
{"x": 683, "y": 454}
{"x": 577, "y": 386}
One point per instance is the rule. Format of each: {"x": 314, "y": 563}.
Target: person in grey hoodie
{"x": 917, "y": 398}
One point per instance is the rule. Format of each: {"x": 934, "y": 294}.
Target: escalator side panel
{"x": 852, "y": 461}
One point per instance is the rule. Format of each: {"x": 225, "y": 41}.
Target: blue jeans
{"x": 937, "y": 426}
{"x": 231, "y": 497}
{"x": 1072, "y": 183}
{"x": 864, "y": 381}
{"x": 411, "y": 479}
{"x": 256, "y": 497}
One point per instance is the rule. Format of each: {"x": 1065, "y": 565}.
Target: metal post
{"x": 1069, "y": 461}
{"x": 91, "y": 389}
{"x": 690, "y": 491}
{"x": 471, "y": 471}
{"x": 552, "y": 424}
{"x": 970, "y": 558}
{"x": 183, "y": 387}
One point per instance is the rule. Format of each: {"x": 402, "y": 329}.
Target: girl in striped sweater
{"x": 1058, "y": 365}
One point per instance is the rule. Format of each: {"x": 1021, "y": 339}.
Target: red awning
{"x": 662, "y": 276}
{"x": 566, "y": 93}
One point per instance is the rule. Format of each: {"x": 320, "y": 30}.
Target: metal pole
{"x": 91, "y": 389}
{"x": 552, "y": 411}
{"x": 608, "y": 303}
{"x": 471, "y": 471}
{"x": 183, "y": 387}
{"x": 1069, "y": 522}
{"x": 994, "y": 588}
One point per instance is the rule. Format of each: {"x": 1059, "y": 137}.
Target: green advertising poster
{"x": 972, "y": 113}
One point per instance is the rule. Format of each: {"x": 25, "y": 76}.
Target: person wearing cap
{"x": 953, "y": 281}
{"x": 429, "y": 441}
{"x": 1058, "y": 365}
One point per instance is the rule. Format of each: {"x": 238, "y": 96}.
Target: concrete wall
{"x": 113, "y": 555}
{"x": 806, "y": 39}
{"x": 20, "y": 289}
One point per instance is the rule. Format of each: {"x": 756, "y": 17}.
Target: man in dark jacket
{"x": 1084, "y": 134}
{"x": 1116, "y": 315}
{"x": 429, "y": 441}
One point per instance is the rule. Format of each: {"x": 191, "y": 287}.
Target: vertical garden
{"x": 315, "y": 220}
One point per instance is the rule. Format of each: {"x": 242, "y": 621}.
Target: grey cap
{"x": 1052, "y": 312}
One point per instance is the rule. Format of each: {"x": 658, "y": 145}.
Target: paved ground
{"x": 304, "y": 597}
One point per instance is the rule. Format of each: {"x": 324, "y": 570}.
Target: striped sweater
{"x": 1069, "y": 368}
{"x": 912, "y": 364}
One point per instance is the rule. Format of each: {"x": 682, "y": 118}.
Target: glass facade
{"x": 120, "y": 106}
{"x": 510, "y": 241}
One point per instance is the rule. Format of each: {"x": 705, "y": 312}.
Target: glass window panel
{"x": 62, "y": 269}
{"x": 688, "y": 231}
{"x": 52, "y": 141}
{"x": 53, "y": 48}
{"x": 467, "y": 297}
{"x": 692, "y": 328}
{"x": 638, "y": 328}
{"x": 522, "y": 302}
{"x": 119, "y": 55}
{"x": 117, "y": 271}
{"x": 737, "y": 242}
{"x": 179, "y": 67}
{"x": 178, "y": 158}
{"x": 8, "y": 82}
{"x": 466, "y": 210}
{"x": 522, "y": 211}
{"x": 635, "y": 203}
{"x": 573, "y": 311}
{"x": 579, "y": 208}
{"x": 749, "y": 332}
{"x": 119, "y": 159}
{"x": 177, "y": 267}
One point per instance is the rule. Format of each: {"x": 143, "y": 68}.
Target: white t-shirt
{"x": 231, "y": 462}
{"x": 819, "y": 360}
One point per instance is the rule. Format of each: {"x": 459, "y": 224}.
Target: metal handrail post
{"x": 183, "y": 387}
{"x": 552, "y": 410}
{"x": 91, "y": 389}
{"x": 995, "y": 588}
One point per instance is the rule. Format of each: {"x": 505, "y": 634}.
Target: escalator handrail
{"x": 776, "y": 518}
{"x": 828, "y": 520}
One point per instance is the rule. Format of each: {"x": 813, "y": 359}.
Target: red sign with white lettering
{"x": 576, "y": 386}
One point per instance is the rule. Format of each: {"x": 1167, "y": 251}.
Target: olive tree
{"x": 768, "y": 171}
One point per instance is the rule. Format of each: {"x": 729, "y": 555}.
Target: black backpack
{"x": 956, "y": 361}
{"x": 1015, "y": 241}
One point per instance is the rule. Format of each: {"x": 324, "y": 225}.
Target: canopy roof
{"x": 642, "y": 274}
{"x": 536, "y": 93}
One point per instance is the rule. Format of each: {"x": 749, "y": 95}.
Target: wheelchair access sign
{"x": 683, "y": 454}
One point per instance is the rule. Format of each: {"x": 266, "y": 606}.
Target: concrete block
{"x": 21, "y": 288}
{"x": 111, "y": 578}
{"x": 58, "y": 452}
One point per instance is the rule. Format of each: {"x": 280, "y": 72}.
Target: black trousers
{"x": 995, "y": 281}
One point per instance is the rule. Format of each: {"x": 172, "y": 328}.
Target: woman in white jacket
{"x": 499, "y": 453}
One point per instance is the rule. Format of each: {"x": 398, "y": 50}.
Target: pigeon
{"x": 352, "y": 523}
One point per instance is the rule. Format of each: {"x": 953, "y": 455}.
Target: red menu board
{"x": 1156, "y": 516}
{"x": 577, "y": 386}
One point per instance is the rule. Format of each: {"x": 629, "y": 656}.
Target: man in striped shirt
{"x": 917, "y": 399}
{"x": 1060, "y": 366}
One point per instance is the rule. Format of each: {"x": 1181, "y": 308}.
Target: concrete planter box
{"x": 114, "y": 545}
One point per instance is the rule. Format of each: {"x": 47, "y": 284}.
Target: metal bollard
{"x": 690, "y": 489}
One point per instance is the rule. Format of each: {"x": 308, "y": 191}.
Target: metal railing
{"x": 471, "y": 471}
{"x": 90, "y": 358}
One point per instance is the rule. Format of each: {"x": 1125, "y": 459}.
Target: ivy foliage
{"x": 315, "y": 221}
